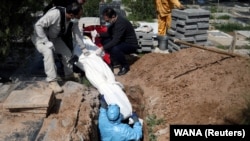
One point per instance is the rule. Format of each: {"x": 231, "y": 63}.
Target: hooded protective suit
{"x": 112, "y": 129}
{"x": 163, "y": 8}
{"x": 46, "y": 39}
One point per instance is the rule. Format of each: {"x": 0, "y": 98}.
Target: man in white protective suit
{"x": 47, "y": 38}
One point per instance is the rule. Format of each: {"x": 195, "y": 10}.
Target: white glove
{"x": 49, "y": 45}
{"x": 93, "y": 35}
{"x": 99, "y": 51}
{"x": 85, "y": 52}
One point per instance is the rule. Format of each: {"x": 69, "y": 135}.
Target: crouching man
{"x": 110, "y": 125}
{"x": 47, "y": 38}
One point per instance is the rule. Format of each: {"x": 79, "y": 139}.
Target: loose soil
{"x": 191, "y": 86}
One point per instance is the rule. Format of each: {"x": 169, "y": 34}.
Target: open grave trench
{"x": 74, "y": 114}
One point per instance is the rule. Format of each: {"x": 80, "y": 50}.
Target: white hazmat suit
{"x": 47, "y": 39}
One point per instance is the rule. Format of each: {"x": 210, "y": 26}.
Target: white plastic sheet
{"x": 100, "y": 76}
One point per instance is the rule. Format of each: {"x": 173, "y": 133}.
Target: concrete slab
{"x": 244, "y": 33}
{"x": 28, "y": 98}
{"x": 5, "y": 90}
{"x": 19, "y": 128}
{"x": 190, "y": 13}
{"x": 220, "y": 37}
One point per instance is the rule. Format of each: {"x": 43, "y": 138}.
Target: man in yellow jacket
{"x": 163, "y": 8}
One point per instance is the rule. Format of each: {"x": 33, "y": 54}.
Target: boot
{"x": 55, "y": 87}
{"x": 123, "y": 70}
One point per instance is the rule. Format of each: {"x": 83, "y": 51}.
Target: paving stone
{"x": 204, "y": 19}
{"x": 179, "y": 35}
{"x": 201, "y": 43}
{"x": 5, "y": 90}
{"x": 139, "y": 50}
{"x": 200, "y": 37}
{"x": 146, "y": 49}
{"x": 23, "y": 129}
{"x": 184, "y": 30}
{"x": 174, "y": 23}
{"x": 188, "y": 39}
{"x": 174, "y": 46}
{"x": 145, "y": 42}
{"x": 187, "y": 13}
{"x": 28, "y": 99}
{"x": 203, "y": 25}
{"x": 145, "y": 36}
{"x": 192, "y": 32}
{"x": 171, "y": 32}
{"x": 191, "y": 26}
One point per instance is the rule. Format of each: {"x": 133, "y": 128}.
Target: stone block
{"x": 188, "y": 39}
{"x": 28, "y": 98}
{"x": 203, "y": 25}
{"x": 187, "y": 13}
{"x": 6, "y": 89}
{"x": 145, "y": 36}
{"x": 174, "y": 46}
{"x": 201, "y": 43}
{"x": 200, "y": 37}
{"x": 146, "y": 49}
{"x": 171, "y": 32}
{"x": 173, "y": 24}
{"x": 180, "y": 35}
{"x": 192, "y": 32}
{"x": 145, "y": 42}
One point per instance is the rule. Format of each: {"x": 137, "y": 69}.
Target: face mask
{"x": 74, "y": 20}
{"x": 107, "y": 24}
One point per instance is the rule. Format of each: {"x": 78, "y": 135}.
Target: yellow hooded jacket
{"x": 164, "y": 7}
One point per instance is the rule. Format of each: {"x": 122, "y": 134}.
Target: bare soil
{"x": 191, "y": 86}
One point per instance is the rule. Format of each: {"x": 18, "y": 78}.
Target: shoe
{"x": 70, "y": 77}
{"x": 123, "y": 71}
{"x": 55, "y": 87}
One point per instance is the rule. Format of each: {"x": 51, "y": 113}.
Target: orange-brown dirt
{"x": 191, "y": 86}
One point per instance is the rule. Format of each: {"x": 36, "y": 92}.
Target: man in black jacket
{"x": 120, "y": 38}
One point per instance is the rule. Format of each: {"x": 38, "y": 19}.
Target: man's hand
{"x": 134, "y": 116}
{"x": 49, "y": 45}
{"x": 85, "y": 52}
{"x": 99, "y": 51}
{"x": 93, "y": 33}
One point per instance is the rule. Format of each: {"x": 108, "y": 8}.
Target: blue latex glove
{"x": 103, "y": 102}
{"x": 134, "y": 116}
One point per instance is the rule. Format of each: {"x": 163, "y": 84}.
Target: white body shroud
{"x": 101, "y": 77}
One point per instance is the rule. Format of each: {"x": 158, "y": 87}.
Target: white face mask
{"x": 107, "y": 24}
{"x": 74, "y": 20}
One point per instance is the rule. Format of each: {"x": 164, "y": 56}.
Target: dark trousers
{"x": 117, "y": 53}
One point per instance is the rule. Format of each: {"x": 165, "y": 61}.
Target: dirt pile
{"x": 191, "y": 86}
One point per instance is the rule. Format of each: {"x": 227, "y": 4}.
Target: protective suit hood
{"x": 113, "y": 112}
